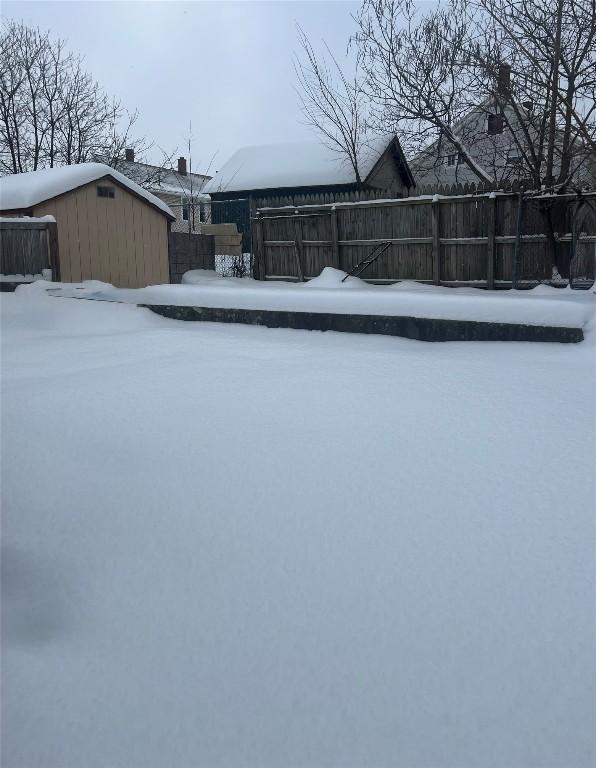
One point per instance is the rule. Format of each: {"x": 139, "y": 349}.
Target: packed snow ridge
{"x": 332, "y": 291}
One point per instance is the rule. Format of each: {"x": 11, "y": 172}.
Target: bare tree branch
{"x": 331, "y": 103}
{"x": 52, "y": 112}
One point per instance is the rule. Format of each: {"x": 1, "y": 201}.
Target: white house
{"x": 180, "y": 190}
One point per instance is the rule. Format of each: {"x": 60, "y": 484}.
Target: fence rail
{"x": 470, "y": 238}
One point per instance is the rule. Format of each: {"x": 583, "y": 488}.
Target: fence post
{"x": 517, "y": 247}
{"x": 335, "y": 238}
{"x": 259, "y": 263}
{"x": 436, "y": 240}
{"x": 490, "y": 246}
{"x": 54, "y": 253}
{"x": 298, "y": 248}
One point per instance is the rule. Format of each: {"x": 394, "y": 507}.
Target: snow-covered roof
{"x": 301, "y": 164}
{"x": 165, "y": 180}
{"x": 24, "y": 190}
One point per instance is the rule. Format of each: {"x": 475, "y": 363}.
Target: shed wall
{"x": 120, "y": 240}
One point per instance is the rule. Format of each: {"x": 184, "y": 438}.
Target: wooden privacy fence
{"x": 28, "y": 246}
{"x": 439, "y": 239}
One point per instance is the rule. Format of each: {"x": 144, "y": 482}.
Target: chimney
{"x": 504, "y": 80}
{"x": 182, "y": 166}
{"x": 129, "y": 155}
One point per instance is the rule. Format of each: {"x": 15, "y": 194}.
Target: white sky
{"x": 227, "y": 66}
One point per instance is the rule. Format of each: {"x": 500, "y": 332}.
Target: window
{"x": 185, "y": 212}
{"x": 494, "y": 124}
{"x": 105, "y": 192}
{"x": 513, "y": 157}
{"x": 451, "y": 159}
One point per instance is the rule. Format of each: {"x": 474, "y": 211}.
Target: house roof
{"x": 302, "y": 164}
{"x": 165, "y": 180}
{"x": 24, "y": 190}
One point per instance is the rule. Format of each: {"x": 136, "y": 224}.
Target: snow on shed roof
{"x": 24, "y": 190}
{"x": 301, "y": 164}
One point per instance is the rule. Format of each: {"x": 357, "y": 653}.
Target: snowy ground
{"x": 234, "y": 546}
{"x": 543, "y": 305}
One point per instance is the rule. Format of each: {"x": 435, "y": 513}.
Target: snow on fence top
{"x": 302, "y": 164}
{"x": 24, "y": 190}
{"x": 414, "y": 199}
{"x": 24, "y": 220}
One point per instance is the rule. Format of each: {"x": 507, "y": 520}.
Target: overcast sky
{"x": 225, "y": 66}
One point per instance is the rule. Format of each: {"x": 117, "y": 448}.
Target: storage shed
{"x": 301, "y": 174}
{"x": 109, "y": 228}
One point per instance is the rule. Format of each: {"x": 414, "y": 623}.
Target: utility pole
{"x": 549, "y": 178}
{"x": 191, "y": 206}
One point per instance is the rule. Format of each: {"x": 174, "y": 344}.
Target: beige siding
{"x": 123, "y": 241}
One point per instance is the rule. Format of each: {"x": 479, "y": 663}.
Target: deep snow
{"x": 234, "y": 546}
{"x": 542, "y": 305}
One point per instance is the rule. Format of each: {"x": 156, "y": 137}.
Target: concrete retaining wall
{"x": 423, "y": 329}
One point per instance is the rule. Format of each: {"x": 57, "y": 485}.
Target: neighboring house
{"x": 485, "y": 133}
{"x": 302, "y": 173}
{"x": 109, "y": 228}
{"x": 180, "y": 190}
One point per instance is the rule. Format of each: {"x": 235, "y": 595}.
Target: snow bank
{"x": 232, "y": 546}
{"x": 327, "y": 293}
{"x": 24, "y": 190}
{"x": 331, "y": 279}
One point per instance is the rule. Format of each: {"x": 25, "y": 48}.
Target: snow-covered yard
{"x": 233, "y": 546}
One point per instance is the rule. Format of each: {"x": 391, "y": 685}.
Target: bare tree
{"x": 551, "y": 104}
{"x": 436, "y": 76}
{"x": 504, "y": 89}
{"x": 52, "y": 112}
{"x": 417, "y": 75}
{"x": 332, "y": 103}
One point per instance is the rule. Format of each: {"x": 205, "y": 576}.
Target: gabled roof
{"x": 165, "y": 180}
{"x": 304, "y": 164}
{"x": 24, "y": 190}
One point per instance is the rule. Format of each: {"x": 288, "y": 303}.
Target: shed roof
{"x": 24, "y": 190}
{"x": 301, "y": 164}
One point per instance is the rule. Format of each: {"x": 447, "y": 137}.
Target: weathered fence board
{"x": 440, "y": 239}
{"x": 28, "y": 246}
